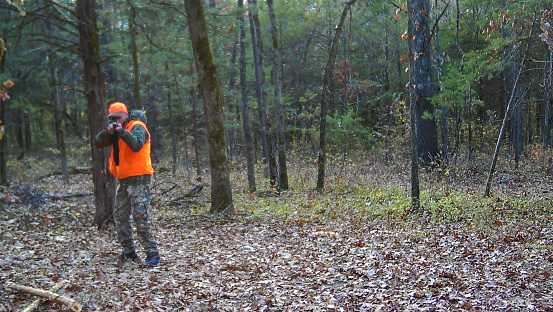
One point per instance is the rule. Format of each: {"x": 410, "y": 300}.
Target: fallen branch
{"x": 33, "y": 306}
{"x": 74, "y": 170}
{"x": 70, "y": 303}
{"x": 64, "y": 196}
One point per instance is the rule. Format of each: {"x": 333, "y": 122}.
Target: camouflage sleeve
{"x": 103, "y": 139}
{"x": 136, "y": 138}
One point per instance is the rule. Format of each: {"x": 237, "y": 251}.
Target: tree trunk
{"x": 512, "y": 59}
{"x": 183, "y": 122}
{"x": 262, "y": 93}
{"x": 510, "y": 105}
{"x": 325, "y": 96}
{"x": 3, "y": 148}
{"x": 277, "y": 78}
{"x": 422, "y": 82}
{"x": 547, "y": 110}
{"x": 136, "y": 101}
{"x": 445, "y": 131}
{"x": 415, "y": 189}
{"x": 195, "y": 133}
{"x": 171, "y": 126}
{"x": 104, "y": 183}
{"x": 221, "y": 195}
{"x": 58, "y": 120}
{"x": 250, "y": 162}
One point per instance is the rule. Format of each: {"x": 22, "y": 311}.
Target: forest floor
{"x": 357, "y": 247}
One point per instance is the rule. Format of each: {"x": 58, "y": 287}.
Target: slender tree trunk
{"x": 325, "y": 96}
{"x": 469, "y": 126}
{"x": 19, "y": 129}
{"x": 415, "y": 189}
{"x": 104, "y": 183}
{"x": 250, "y": 162}
{"x": 172, "y": 126}
{"x": 510, "y": 105}
{"x": 512, "y": 58}
{"x": 547, "y": 110}
{"x": 445, "y": 131}
{"x": 136, "y": 103}
{"x": 262, "y": 93}
{"x": 221, "y": 195}
{"x": 183, "y": 122}
{"x": 277, "y": 82}
{"x": 195, "y": 133}
{"x": 3, "y": 148}
{"x": 59, "y": 127}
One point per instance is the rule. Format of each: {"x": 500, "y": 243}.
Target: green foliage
{"x": 347, "y": 129}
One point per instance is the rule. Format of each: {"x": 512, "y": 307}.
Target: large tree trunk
{"x": 221, "y": 195}
{"x": 277, "y": 72}
{"x": 104, "y": 183}
{"x": 422, "y": 81}
{"x": 250, "y": 162}
{"x": 325, "y": 96}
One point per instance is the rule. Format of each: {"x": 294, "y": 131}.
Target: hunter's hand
{"x": 112, "y": 127}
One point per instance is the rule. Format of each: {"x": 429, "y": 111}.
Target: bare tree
{"x": 325, "y": 97}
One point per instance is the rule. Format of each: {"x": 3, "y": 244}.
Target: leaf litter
{"x": 286, "y": 261}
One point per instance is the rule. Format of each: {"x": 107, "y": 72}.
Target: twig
{"x": 34, "y": 305}
{"x": 70, "y": 303}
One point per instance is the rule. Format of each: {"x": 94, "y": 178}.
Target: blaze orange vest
{"x": 132, "y": 163}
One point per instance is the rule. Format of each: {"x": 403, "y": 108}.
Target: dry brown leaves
{"x": 246, "y": 264}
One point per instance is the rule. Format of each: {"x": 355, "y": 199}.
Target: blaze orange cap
{"x": 117, "y": 109}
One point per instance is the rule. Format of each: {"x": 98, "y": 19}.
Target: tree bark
{"x": 250, "y": 162}
{"x": 422, "y": 81}
{"x": 325, "y": 96}
{"x": 221, "y": 195}
{"x": 104, "y": 183}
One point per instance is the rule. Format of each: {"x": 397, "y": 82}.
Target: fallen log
{"x": 74, "y": 170}
{"x": 70, "y": 303}
{"x": 34, "y": 305}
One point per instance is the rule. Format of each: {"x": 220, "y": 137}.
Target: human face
{"x": 120, "y": 118}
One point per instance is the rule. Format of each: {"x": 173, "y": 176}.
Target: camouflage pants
{"x": 134, "y": 200}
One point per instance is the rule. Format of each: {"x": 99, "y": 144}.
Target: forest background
{"x": 367, "y": 248}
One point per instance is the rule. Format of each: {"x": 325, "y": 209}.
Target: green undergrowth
{"x": 369, "y": 193}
